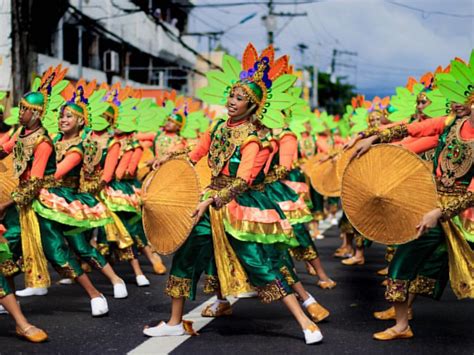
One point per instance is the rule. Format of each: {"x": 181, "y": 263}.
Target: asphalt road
{"x": 440, "y": 327}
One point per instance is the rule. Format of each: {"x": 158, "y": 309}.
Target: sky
{"x": 392, "y": 42}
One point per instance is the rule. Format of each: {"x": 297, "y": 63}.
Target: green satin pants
{"x": 134, "y": 226}
{"x": 193, "y": 258}
{"x": 11, "y": 221}
{"x": 420, "y": 266}
{"x": 4, "y": 287}
{"x": 196, "y": 257}
{"x": 56, "y": 250}
{"x": 85, "y": 251}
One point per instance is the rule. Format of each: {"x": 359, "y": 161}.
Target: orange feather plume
{"x": 279, "y": 68}
{"x": 249, "y": 57}
{"x": 268, "y": 52}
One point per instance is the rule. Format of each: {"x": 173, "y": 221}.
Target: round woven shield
{"x": 170, "y": 196}
{"x": 342, "y": 162}
{"x": 204, "y": 172}
{"x": 324, "y": 178}
{"x": 386, "y": 192}
{"x": 143, "y": 168}
{"x": 8, "y": 182}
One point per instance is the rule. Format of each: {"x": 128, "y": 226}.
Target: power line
{"x": 233, "y": 4}
{"x": 329, "y": 34}
{"x": 425, "y": 14}
{"x": 170, "y": 34}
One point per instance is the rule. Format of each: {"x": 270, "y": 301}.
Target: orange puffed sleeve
{"x": 111, "y": 162}
{"x": 71, "y": 160}
{"x": 4, "y": 138}
{"x": 9, "y": 145}
{"x": 202, "y": 148}
{"x": 431, "y": 127}
{"x": 248, "y": 164}
{"x": 272, "y": 154}
{"x": 123, "y": 164}
{"x": 420, "y": 145}
{"x": 41, "y": 156}
{"x": 145, "y": 136}
{"x": 136, "y": 156}
{"x": 288, "y": 148}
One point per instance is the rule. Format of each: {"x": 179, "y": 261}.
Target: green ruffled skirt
{"x": 122, "y": 196}
{"x": 253, "y": 217}
{"x": 68, "y": 207}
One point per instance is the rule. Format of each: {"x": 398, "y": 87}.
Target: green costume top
{"x": 250, "y": 215}
{"x": 60, "y": 200}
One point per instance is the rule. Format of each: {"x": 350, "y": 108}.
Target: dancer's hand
{"x": 150, "y": 162}
{"x": 323, "y": 159}
{"x": 363, "y": 147}
{"x": 159, "y": 161}
{"x": 352, "y": 142}
{"x": 429, "y": 220}
{"x": 201, "y": 209}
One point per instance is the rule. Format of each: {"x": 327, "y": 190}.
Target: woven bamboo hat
{"x": 8, "y": 181}
{"x": 343, "y": 160}
{"x": 204, "y": 172}
{"x": 170, "y": 196}
{"x": 386, "y": 192}
{"x": 324, "y": 178}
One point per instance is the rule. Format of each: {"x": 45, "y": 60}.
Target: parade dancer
{"x": 42, "y": 235}
{"x": 421, "y": 266}
{"x": 232, "y": 147}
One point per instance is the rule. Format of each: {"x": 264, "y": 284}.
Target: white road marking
{"x": 165, "y": 345}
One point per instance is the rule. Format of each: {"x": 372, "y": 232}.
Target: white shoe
{"x": 99, "y": 306}
{"x": 164, "y": 330}
{"x": 142, "y": 281}
{"x": 66, "y": 281}
{"x": 30, "y": 291}
{"x": 3, "y": 310}
{"x": 251, "y": 294}
{"x": 120, "y": 290}
{"x": 312, "y": 337}
{"x": 320, "y": 237}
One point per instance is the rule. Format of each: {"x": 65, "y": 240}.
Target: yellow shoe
{"x": 391, "y": 334}
{"x": 383, "y": 272}
{"x": 317, "y": 312}
{"x": 217, "y": 309}
{"x": 389, "y": 314}
{"x": 343, "y": 253}
{"x": 353, "y": 261}
{"x": 327, "y": 285}
{"x": 159, "y": 268}
{"x": 32, "y": 333}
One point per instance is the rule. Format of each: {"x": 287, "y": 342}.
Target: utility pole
{"x": 270, "y": 20}
{"x": 79, "y": 44}
{"x": 24, "y": 56}
{"x": 335, "y": 63}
